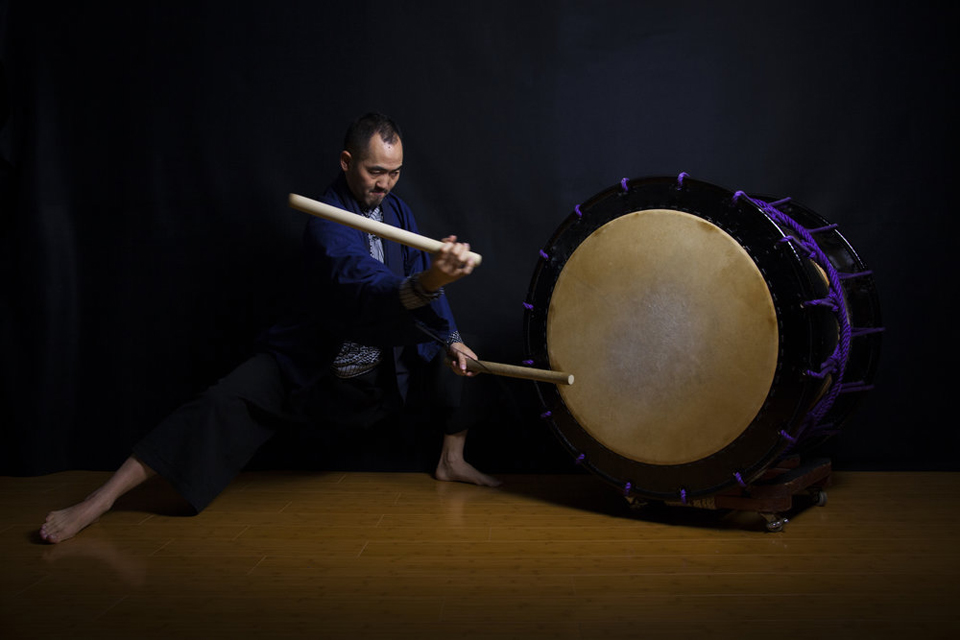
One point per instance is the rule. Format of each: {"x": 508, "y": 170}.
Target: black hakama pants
{"x": 204, "y": 444}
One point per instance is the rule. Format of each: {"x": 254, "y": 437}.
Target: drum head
{"x": 671, "y": 332}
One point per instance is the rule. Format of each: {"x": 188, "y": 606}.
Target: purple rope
{"x": 577, "y": 211}
{"x": 543, "y": 254}
{"x": 626, "y": 489}
{"x": 683, "y": 496}
{"x": 546, "y": 414}
{"x": 528, "y": 306}
{"x": 859, "y": 274}
{"x": 739, "y": 479}
{"x": 528, "y": 362}
{"x": 580, "y": 459}
{"x": 683, "y": 174}
{"x": 836, "y": 362}
{"x": 829, "y": 301}
{"x": 855, "y": 387}
{"x": 623, "y": 183}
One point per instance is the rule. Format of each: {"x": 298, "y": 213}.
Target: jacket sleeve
{"x": 360, "y": 296}
{"x": 438, "y": 315}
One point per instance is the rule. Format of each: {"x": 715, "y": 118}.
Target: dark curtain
{"x": 147, "y": 149}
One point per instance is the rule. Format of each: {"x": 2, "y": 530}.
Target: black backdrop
{"x": 147, "y": 152}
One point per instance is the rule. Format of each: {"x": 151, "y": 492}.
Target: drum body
{"x": 709, "y": 333}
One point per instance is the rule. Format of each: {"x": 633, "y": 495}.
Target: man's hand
{"x": 449, "y": 264}
{"x": 459, "y": 354}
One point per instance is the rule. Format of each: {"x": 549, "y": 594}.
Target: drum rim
{"x": 777, "y": 261}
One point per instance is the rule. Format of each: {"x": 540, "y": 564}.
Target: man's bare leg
{"x": 64, "y": 524}
{"x": 453, "y": 468}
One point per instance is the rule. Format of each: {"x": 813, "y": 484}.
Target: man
{"x": 364, "y": 341}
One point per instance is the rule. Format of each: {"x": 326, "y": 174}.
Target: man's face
{"x": 372, "y": 175}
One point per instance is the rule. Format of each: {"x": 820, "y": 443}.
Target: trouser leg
{"x": 202, "y": 446}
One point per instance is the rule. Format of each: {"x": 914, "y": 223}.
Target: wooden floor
{"x": 364, "y": 555}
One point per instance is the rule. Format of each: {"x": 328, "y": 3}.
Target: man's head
{"x": 371, "y": 158}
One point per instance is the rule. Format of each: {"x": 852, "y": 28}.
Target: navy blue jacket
{"x": 348, "y": 295}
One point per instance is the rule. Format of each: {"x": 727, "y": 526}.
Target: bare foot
{"x": 463, "y": 471}
{"x": 64, "y": 524}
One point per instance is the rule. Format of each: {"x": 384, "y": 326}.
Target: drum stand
{"x": 771, "y": 495}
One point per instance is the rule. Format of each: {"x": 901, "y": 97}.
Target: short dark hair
{"x": 362, "y": 129}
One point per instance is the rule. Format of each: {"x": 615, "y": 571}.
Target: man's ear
{"x": 345, "y": 160}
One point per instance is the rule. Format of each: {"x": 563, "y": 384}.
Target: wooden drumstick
{"x": 513, "y": 371}
{"x": 389, "y": 232}
{"x": 386, "y": 231}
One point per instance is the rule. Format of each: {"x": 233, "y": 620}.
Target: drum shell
{"x": 806, "y": 336}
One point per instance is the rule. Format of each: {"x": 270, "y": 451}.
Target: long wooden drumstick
{"x": 386, "y": 231}
{"x": 389, "y": 232}
{"x": 513, "y": 371}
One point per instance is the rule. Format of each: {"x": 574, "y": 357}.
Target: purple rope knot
{"x": 739, "y": 478}
{"x": 820, "y": 375}
{"x": 546, "y": 414}
{"x": 623, "y": 183}
{"x": 543, "y": 254}
{"x": 829, "y": 301}
{"x": 683, "y": 496}
{"x": 577, "y": 211}
{"x": 580, "y": 459}
{"x": 528, "y": 306}
{"x": 827, "y": 367}
{"x": 680, "y": 178}
{"x": 626, "y": 489}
